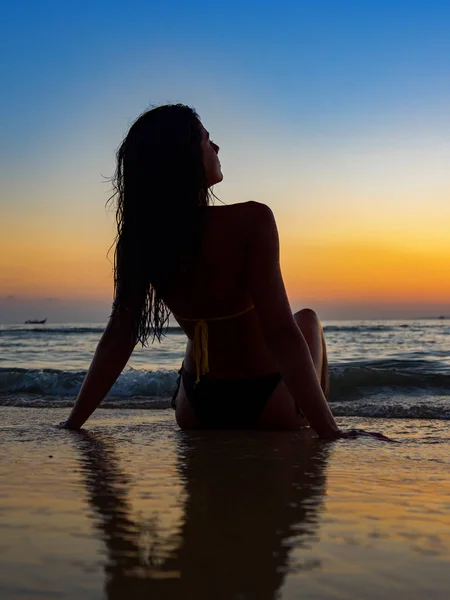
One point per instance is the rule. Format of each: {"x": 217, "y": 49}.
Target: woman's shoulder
{"x": 256, "y": 221}
{"x": 242, "y": 221}
{"x": 258, "y": 216}
{"x": 252, "y": 208}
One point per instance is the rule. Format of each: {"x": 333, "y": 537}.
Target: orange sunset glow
{"x": 349, "y": 148}
{"x": 336, "y": 271}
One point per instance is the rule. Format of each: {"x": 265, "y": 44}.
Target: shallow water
{"x": 134, "y": 508}
{"x": 377, "y": 368}
{"x": 70, "y": 347}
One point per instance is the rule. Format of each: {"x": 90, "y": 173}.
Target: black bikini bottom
{"x": 228, "y": 403}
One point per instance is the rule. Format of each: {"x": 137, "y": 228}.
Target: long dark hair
{"x": 159, "y": 184}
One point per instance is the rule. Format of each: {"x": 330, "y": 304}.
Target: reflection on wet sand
{"x": 249, "y": 499}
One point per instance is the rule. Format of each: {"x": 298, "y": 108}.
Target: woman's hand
{"x": 353, "y": 434}
{"x": 65, "y": 425}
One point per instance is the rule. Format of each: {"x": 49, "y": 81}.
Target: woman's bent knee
{"x": 307, "y": 316}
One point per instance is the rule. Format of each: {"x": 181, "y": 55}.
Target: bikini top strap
{"x": 248, "y": 309}
{"x": 200, "y": 341}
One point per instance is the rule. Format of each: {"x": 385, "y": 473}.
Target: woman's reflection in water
{"x": 250, "y": 498}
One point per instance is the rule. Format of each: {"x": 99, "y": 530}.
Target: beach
{"x": 223, "y": 165}
{"x": 131, "y": 507}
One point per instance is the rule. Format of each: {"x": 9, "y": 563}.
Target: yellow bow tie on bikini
{"x": 200, "y": 340}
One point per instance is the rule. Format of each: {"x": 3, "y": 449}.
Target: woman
{"x": 249, "y": 362}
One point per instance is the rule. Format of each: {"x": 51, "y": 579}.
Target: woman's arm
{"x": 281, "y": 332}
{"x": 111, "y": 356}
{"x": 298, "y": 373}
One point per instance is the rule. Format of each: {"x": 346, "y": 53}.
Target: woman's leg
{"x": 280, "y": 411}
{"x": 310, "y": 326}
{"x": 184, "y": 413}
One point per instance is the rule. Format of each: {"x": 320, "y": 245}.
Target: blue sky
{"x": 372, "y": 64}
{"x": 329, "y": 111}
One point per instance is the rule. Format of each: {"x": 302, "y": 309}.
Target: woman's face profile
{"x": 211, "y": 161}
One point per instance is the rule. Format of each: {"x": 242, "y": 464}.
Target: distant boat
{"x": 442, "y": 317}
{"x": 35, "y": 322}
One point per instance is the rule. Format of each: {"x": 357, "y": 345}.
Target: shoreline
{"x": 133, "y": 507}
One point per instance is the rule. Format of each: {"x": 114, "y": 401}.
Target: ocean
{"x": 133, "y": 507}
{"x": 379, "y": 369}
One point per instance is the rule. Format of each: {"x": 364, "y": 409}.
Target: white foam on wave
{"x": 383, "y": 406}
{"x": 53, "y": 382}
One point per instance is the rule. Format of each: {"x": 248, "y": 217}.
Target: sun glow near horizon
{"x": 338, "y": 270}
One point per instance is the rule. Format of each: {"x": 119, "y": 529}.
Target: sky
{"x": 335, "y": 114}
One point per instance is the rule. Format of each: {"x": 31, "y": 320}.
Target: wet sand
{"x": 133, "y": 508}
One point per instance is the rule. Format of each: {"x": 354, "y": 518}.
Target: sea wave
{"x": 380, "y": 409}
{"x": 54, "y": 382}
{"x": 394, "y": 410}
{"x": 32, "y": 331}
{"x": 348, "y": 381}
{"x": 362, "y": 328}
{"x": 17, "y": 330}
{"x": 74, "y": 330}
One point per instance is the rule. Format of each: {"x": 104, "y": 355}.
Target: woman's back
{"x": 228, "y": 294}
{"x": 216, "y": 288}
